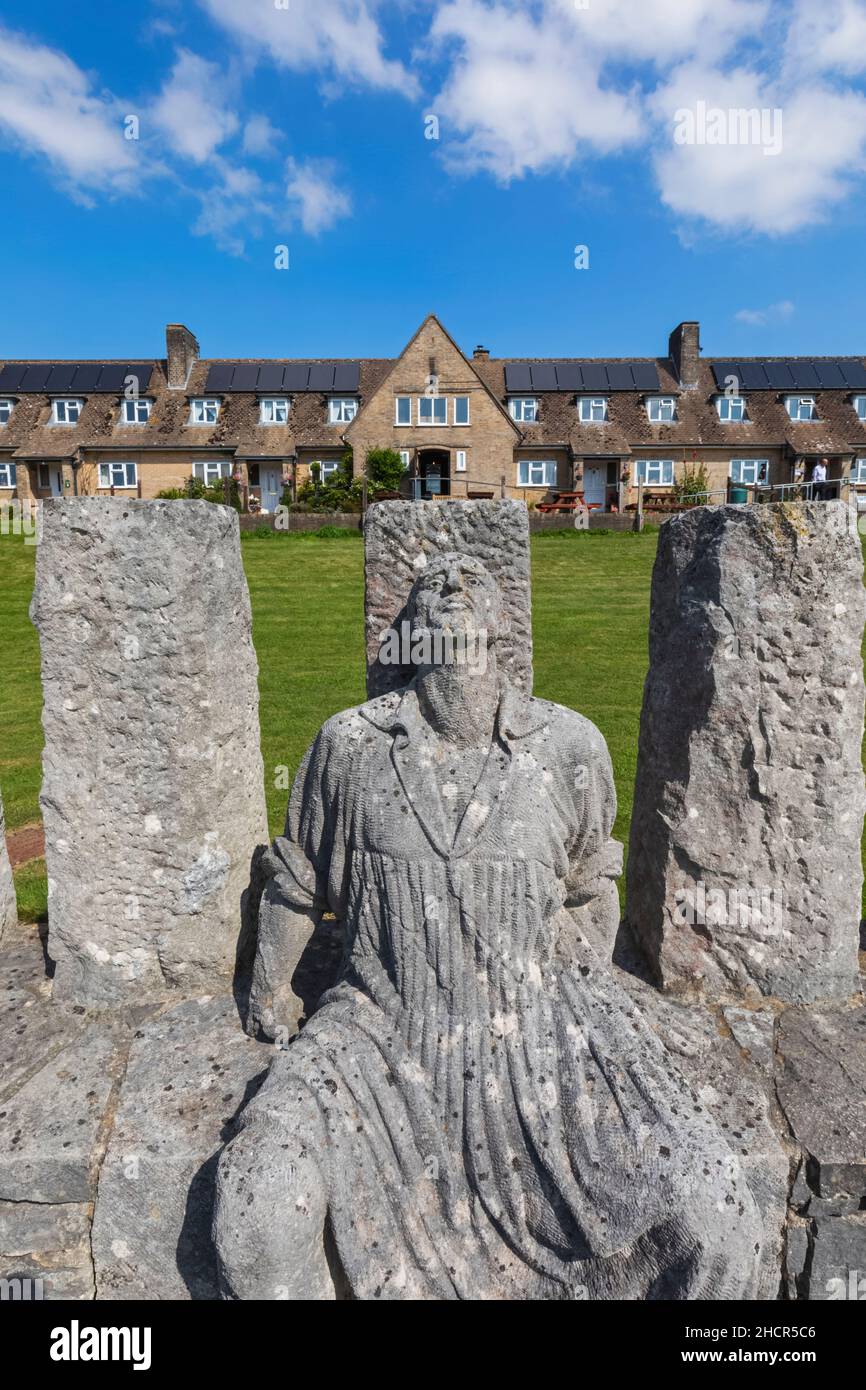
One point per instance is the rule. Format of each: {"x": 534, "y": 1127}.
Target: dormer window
{"x": 204, "y": 410}
{"x": 731, "y": 409}
{"x": 592, "y": 409}
{"x": 661, "y": 410}
{"x": 274, "y": 410}
{"x": 859, "y": 407}
{"x": 66, "y": 411}
{"x": 136, "y": 410}
{"x": 6, "y": 408}
{"x": 523, "y": 409}
{"x": 342, "y": 410}
{"x": 801, "y": 407}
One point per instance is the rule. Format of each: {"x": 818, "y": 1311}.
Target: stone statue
{"x": 475, "y": 1109}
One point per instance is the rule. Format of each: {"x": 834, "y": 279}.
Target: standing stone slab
{"x": 8, "y": 907}
{"x": 152, "y": 795}
{"x": 744, "y": 872}
{"x": 401, "y": 538}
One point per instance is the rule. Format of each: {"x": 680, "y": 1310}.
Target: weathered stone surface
{"x": 477, "y": 1109}
{"x": 53, "y": 1127}
{"x": 737, "y": 1090}
{"x": 753, "y": 1030}
{"x": 821, "y": 1086}
{"x": 399, "y": 541}
{"x": 750, "y": 791}
{"x": 837, "y": 1267}
{"x": 152, "y": 794}
{"x": 189, "y": 1071}
{"x": 49, "y": 1245}
{"x": 8, "y": 906}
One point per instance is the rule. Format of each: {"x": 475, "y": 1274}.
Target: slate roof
{"x": 627, "y": 431}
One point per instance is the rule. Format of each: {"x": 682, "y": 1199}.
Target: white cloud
{"x": 191, "y": 109}
{"x": 827, "y": 37}
{"x": 233, "y": 208}
{"x": 48, "y": 107}
{"x": 314, "y": 195}
{"x": 338, "y": 37}
{"x": 773, "y": 313}
{"x": 661, "y": 32}
{"x": 523, "y": 92}
{"x": 260, "y": 137}
{"x": 739, "y": 188}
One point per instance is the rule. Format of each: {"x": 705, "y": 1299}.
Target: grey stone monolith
{"x": 744, "y": 874}
{"x": 8, "y": 907}
{"x": 152, "y": 794}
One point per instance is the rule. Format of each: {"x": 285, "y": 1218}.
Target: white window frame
{"x": 661, "y": 403}
{"x": 106, "y": 475}
{"x": 342, "y": 409}
{"x": 793, "y": 404}
{"x": 726, "y": 407}
{"x": 523, "y": 409}
{"x": 269, "y": 405}
{"x": 8, "y": 475}
{"x": 527, "y": 466}
{"x": 454, "y": 401}
{"x": 132, "y": 404}
{"x": 859, "y": 403}
{"x": 202, "y": 406}
{"x": 434, "y": 402}
{"x": 752, "y": 472}
{"x": 459, "y": 460}
{"x": 6, "y": 408}
{"x": 644, "y": 467}
{"x": 327, "y": 468}
{"x": 64, "y": 403}
{"x": 211, "y": 471}
{"x": 406, "y": 458}
{"x": 858, "y": 471}
{"x": 398, "y": 401}
{"x": 586, "y": 405}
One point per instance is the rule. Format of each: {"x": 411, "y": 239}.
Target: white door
{"x": 272, "y": 488}
{"x": 594, "y": 483}
{"x": 56, "y": 482}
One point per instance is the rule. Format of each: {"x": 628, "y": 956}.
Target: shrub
{"x": 195, "y": 489}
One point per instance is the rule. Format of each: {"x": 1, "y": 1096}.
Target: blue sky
{"x": 560, "y": 124}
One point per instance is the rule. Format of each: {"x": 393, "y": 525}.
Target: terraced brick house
{"x": 464, "y": 425}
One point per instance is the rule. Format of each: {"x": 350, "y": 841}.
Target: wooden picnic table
{"x": 567, "y": 502}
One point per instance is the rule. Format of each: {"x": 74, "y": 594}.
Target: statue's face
{"x": 457, "y": 593}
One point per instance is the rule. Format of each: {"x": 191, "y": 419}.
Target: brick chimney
{"x": 684, "y": 349}
{"x": 181, "y": 350}
{"x": 481, "y": 354}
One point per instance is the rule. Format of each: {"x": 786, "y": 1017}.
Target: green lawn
{"x": 590, "y": 608}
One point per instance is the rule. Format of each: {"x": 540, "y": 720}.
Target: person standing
{"x": 819, "y": 480}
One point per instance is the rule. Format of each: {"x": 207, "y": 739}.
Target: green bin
{"x": 739, "y": 494}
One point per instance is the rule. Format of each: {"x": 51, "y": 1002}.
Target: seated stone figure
{"x": 475, "y": 1109}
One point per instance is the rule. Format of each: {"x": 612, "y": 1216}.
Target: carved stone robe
{"x": 491, "y": 1115}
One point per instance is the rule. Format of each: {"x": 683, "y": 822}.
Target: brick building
{"x": 462, "y": 424}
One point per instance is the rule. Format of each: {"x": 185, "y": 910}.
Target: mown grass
{"x": 590, "y": 612}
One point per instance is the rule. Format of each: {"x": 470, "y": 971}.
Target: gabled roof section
{"x": 431, "y": 318}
